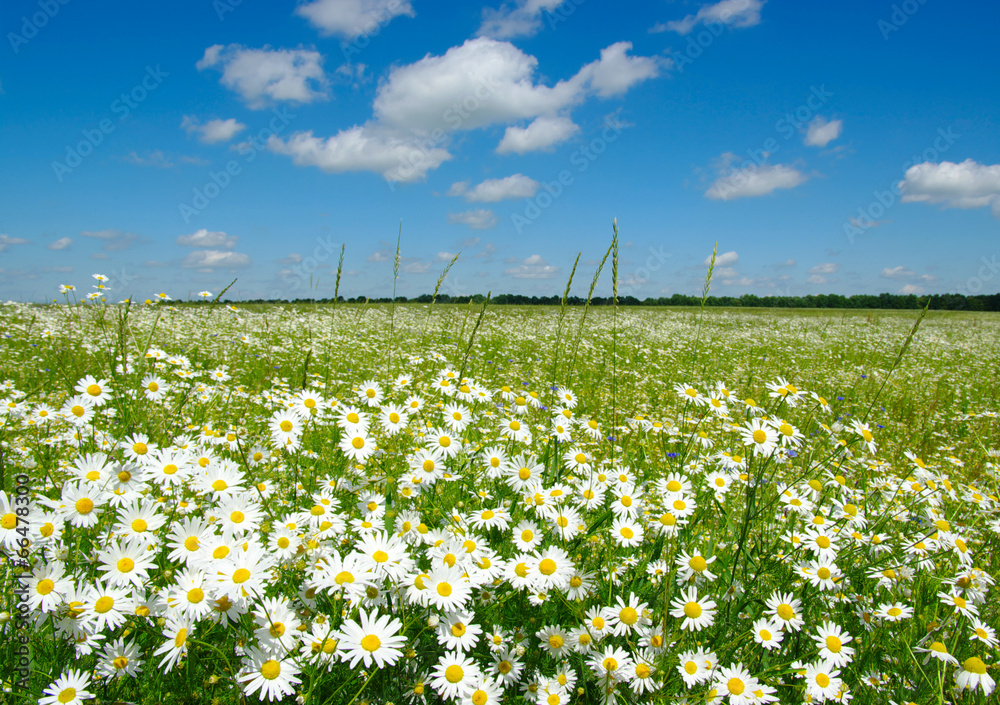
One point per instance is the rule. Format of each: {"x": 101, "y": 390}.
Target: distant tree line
{"x": 938, "y": 302}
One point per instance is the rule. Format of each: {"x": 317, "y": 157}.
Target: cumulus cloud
{"x": 213, "y": 131}
{"x": 899, "y": 272}
{"x": 825, "y": 268}
{"x": 114, "y": 240}
{"x": 417, "y": 267}
{"x": 482, "y": 82}
{"x": 208, "y": 238}
{"x": 479, "y": 219}
{"x": 492, "y": 81}
{"x": 493, "y": 190}
{"x": 726, "y": 259}
{"x": 6, "y": 241}
{"x": 912, "y": 289}
{"x": 822, "y": 132}
{"x": 965, "y": 185}
{"x": 215, "y": 259}
{"x": 395, "y": 155}
{"x": 541, "y": 133}
{"x": 262, "y": 76}
{"x": 520, "y": 19}
{"x": 352, "y": 18}
{"x": 533, "y": 267}
{"x": 733, "y": 13}
{"x": 752, "y": 180}
{"x": 62, "y": 243}
{"x": 615, "y": 72}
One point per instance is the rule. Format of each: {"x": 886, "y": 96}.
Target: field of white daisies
{"x": 447, "y": 504}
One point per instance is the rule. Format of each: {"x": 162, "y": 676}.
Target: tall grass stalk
{"x": 437, "y": 287}
{"x": 562, "y": 319}
{"x": 614, "y": 336}
{"x": 704, "y": 297}
{"x": 586, "y": 310}
{"x": 472, "y": 335}
{"x": 340, "y": 270}
{"x": 392, "y": 304}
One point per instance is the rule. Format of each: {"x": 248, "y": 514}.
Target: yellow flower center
{"x": 104, "y": 605}
{"x": 454, "y": 673}
{"x": 270, "y": 669}
{"x": 241, "y": 575}
{"x": 547, "y": 566}
{"x": 125, "y": 565}
{"x": 84, "y": 505}
{"x": 692, "y": 610}
{"x": 974, "y": 665}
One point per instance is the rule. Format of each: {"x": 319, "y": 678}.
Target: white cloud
{"x": 444, "y": 256}
{"x": 479, "y": 219}
{"x": 215, "y": 259}
{"x": 484, "y": 81}
{"x": 734, "y": 13}
{"x": 912, "y": 289}
{"x": 353, "y": 18}
{"x": 825, "y": 268}
{"x": 6, "y": 241}
{"x": 753, "y": 180}
{"x": 534, "y": 267}
{"x": 293, "y": 258}
{"x": 212, "y": 131}
{"x": 724, "y": 260}
{"x": 522, "y": 19}
{"x": 822, "y": 132}
{"x": 379, "y": 256}
{"x": 156, "y": 158}
{"x": 60, "y": 244}
{"x": 899, "y": 272}
{"x": 208, "y": 238}
{"x": 393, "y": 154}
{"x": 265, "y": 75}
{"x": 417, "y": 267}
{"x": 541, "y": 133}
{"x": 615, "y": 72}
{"x": 817, "y": 279}
{"x": 787, "y": 263}
{"x": 493, "y": 190}
{"x": 966, "y": 185}
{"x": 114, "y": 240}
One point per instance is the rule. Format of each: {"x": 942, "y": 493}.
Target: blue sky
{"x": 846, "y": 147}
